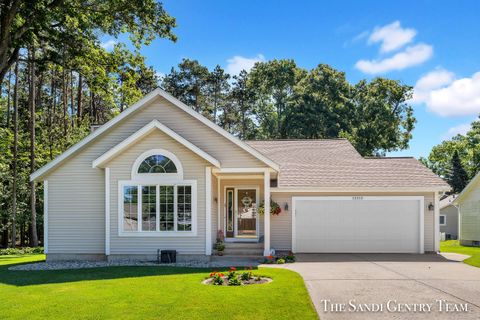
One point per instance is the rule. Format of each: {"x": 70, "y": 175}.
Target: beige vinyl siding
{"x": 76, "y": 190}
{"x": 193, "y": 169}
{"x": 469, "y": 209}
{"x": 240, "y": 183}
{"x": 76, "y": 209}
{"x": 281, "y": 225}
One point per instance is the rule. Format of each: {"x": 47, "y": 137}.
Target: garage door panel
{"x": 357, "y": 225}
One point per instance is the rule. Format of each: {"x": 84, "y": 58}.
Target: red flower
{"x": 270, "y": 257}
{"x": 233, "y": 268}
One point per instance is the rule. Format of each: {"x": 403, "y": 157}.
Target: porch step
{"x": 243, "y": 245}
{"x": 233, "y": 260}
{"x": 243, "y": 249}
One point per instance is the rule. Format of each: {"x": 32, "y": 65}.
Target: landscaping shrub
{"x": 20, "y": 251}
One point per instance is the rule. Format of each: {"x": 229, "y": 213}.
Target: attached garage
{"x": 358, "y": 224}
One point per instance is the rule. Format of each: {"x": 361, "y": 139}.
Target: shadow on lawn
{"x": 27, "y": 278}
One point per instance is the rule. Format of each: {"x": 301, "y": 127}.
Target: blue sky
{"x": 434, "y": 45}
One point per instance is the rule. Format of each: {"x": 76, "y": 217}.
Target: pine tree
{"x": 457, "y": 176}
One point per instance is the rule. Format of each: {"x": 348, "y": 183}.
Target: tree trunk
{"x": 65, "y": 102}
{"x": 79, "y": 100}
{"x": 31, "y": 100}
{"x": 50, "y": 112}
{"x": 72, "y": 108}
{"x": 7, "y": 125}
{"x": 15, "y": 156}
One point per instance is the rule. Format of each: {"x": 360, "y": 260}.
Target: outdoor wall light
{"x": 431, "y": 207}
{"x": 286, "y": 206}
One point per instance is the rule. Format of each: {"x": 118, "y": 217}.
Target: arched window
{"x": 157, "y": 164}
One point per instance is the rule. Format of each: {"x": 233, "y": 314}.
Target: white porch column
{"x": 266, "y": 195}
{"x": 208, "y": 211}
{"x": 436, "y": 223}
{"x": 107, "y": 211}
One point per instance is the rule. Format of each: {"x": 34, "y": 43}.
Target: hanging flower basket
{"x": 274, "y": 208}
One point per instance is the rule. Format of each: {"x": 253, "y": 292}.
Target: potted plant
{"x": 220, "y": 247}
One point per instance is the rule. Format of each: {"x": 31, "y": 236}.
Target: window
{"x": 443, "y": 220}
{"x": 184, "y": 204}
{"x": 149, "y": 208}
{"x": 157, "y": 164}
{"x": 130, "y": 207}
{"x": 167, "y": 209}
{"x": 164, "y": 208}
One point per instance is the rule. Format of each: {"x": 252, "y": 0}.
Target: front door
{"x": 246, "y": 213}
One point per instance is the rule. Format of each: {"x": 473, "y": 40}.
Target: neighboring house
{"x": 161, "y": 176}
{"x": 449, "y": 218}
{"x": 468, "y": 203}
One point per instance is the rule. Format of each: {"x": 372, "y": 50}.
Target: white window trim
{"x": 444, "y": 220}
{"x": 156, "y": 177}
{"x": 145, "y": 182}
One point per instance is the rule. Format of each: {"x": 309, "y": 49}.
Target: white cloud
{"x": 411, "y": 56}
{"x": 109, "y": 44}
{"x": 392, "y": 36}
{"x": 449, "y": 96}
{"x": 239, "y": 63}
{"x": 460, "y": 129}
{"x": 433, "y": 80}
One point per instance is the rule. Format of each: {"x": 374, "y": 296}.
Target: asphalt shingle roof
{"x": 335, "y": 163}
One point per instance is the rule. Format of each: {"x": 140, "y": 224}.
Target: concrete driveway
{"x": 390, "y": 286}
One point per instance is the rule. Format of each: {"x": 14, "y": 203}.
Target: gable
{"x": 471, "y": 192}
{"x": 230, "y": 151}
{"x": 152, "y": 126}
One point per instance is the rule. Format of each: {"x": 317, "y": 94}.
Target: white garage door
{"x": 358, "y": 224}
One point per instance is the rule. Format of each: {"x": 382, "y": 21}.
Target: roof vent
{"x": 94, "y": 127}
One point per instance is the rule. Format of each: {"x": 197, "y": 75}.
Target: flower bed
{"x": 280, "y": 259}
{"x": 235, "y": 278}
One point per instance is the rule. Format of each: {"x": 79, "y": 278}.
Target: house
{"x": 448, "y": 218}
{"x": 468, "y": 203}
{"x": 161, "y": 176}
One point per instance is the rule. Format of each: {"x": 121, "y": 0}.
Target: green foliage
{"x": 277, "y": 100}
{"x": 468, "y": 148}
{"x": 457, "y": 176}
{"x": 20, "y": 251}
{"x": 234, "y": 282}
{"x": 281, "y": 261}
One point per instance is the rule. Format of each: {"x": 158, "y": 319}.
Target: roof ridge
{"x": 274, "y": 140}
{"x": 375, "y": 158}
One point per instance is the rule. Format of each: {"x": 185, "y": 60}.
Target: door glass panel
{"x": 247, "y": 212}
{"x": 230, "y": 212}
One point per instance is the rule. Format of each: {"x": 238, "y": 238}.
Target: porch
{"x": 236, "y": 196}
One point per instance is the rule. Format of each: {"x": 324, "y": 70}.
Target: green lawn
{"x": 145, "y": 293}
{"x": 454, "y": 246}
